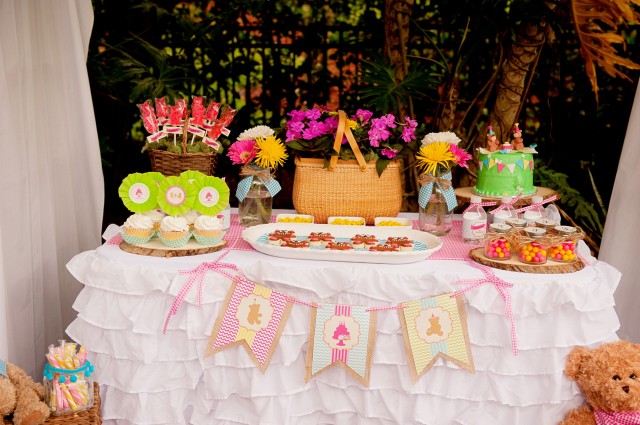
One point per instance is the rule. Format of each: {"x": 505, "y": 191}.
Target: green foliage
{"x": 583, "y": 212}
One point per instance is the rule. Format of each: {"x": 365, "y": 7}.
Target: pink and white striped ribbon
{"x": 505, "y": 204}
{"x": 197, "y": 276}
{"x": 482, "y": 204}
{"x": 503, "y": 289}
{"x": 535, "y": 205}
{"x": 297, "y": 301}
{"x": 393, "y": 307}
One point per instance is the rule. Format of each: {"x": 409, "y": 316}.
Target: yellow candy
{"x": 543, "y": 252}
{"x": 500, "y": 254}
{"x": 528, "y": 258}
{"x": 535, "y": 250}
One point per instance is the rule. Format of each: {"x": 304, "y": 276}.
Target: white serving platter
{"x": 425, "y": 243}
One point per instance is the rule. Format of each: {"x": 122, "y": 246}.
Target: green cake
{"x": 505, "y": 173}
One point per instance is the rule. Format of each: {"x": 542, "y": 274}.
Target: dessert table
{"x": 148, "y": 376}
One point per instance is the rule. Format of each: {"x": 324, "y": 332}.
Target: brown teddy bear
{"x": 609, "y": 378}
{"x": 21, "y": 396}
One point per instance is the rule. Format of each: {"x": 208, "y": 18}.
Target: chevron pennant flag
{"x": 3, "y": 368}
{"x": 435, "y": 327}
{"x": 341, "y": 335}
{"x": 254, "y": 316}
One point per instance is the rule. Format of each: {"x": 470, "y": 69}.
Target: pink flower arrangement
{"x": 311, "y": 133}
{"x": 242, "y": 152}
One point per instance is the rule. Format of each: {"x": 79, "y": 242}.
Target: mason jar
{"x": 566, "y": 251}
{"x": 533, "y": 252}
{"x": 68, "y": 390}
{"x": 498, "y": 247}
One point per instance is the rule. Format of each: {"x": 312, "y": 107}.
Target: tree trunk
{"x": 449, "y": 99}
{"x": 519, "y": 65}
{"x": 396, "y": 28}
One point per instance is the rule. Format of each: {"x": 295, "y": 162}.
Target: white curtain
{"x": 622, "y": 229}
{"x": 51, "y": 187}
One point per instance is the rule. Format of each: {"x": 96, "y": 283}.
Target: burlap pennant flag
{"x": 341, "y": 335}
{"x": 435, "y": 327}
{"x": 254, "y": 316}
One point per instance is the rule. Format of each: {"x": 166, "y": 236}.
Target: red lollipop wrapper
{"x": 148, "y": 117}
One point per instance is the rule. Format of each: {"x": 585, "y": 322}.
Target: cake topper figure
{"x": 492, "y": 140}
{"x": 518, "y": 143}
{"x": 341, "y": 334}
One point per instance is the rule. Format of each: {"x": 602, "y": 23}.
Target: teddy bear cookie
{"x": 280, "y": 236}
{"x": 20, "y": 396}
{"x": 320, "y": 238}
{"x": 609, "y": 378}
{"x": 339, "y": 246}
{"x": 362, "y": 241}
{"x": 402, "y": 242}
{"x": 295, "y": 244}
{"x": 384, "y": 248}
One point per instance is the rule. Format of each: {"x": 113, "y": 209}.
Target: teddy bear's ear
{"x": 575, "y": 359}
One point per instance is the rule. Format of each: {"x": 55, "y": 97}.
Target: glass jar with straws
{"x": 67, "y": 379}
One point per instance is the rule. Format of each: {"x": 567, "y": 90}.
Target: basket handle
{"x": 344, "y": 130}
{"x": 184, "y": 135}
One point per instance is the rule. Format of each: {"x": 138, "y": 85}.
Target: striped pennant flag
{"x": 254, "y": 316}
{"x": 435, "y": 327}
{"x": 341, "y": 335}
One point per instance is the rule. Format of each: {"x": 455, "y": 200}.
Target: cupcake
{"x": 191, "y": 217}
{"x": 156, "y": 216}
{"x": 137, "y": 229}
{"x": 207, "y": 230}
{"x": 174, "y": 231}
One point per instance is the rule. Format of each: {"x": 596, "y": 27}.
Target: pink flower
{"x": 389, "y": 153}
{"x": 408, "y": 134}
{"x": 411, "y": 123}
{"x": 461, "y": 155}
{"x": 297, "y": 115}
{"x": 313, "y": 114}
{"x": 242, "y": 152}
{"x": 389, "y": 120}
{"x": 364, "y": 115}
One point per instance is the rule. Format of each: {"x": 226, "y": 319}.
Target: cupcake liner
{"x": 208, "y": 240}
{"x": 136, "y": 240}
{"x": 138, "y": 232}
{"x": 176, "y": 243}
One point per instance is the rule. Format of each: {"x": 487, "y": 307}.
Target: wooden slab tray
{"x": 514, "y": 265}
{"x": 155, "y": 248}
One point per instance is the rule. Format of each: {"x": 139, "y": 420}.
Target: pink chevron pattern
{"x": 337, "y": 354}
{"x": 264, "y": 339}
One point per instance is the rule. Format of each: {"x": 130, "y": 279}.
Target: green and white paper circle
{"x": 212, "y": 195}
{"x": 139, "y": 193}
{"x": 176, "y": 195}
{"x": 192, "y": 175}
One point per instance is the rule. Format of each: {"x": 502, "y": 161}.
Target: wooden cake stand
{"x": 514, "y": 265}
{"x": 155, "y": 248}
{"x": 466, "y": 193}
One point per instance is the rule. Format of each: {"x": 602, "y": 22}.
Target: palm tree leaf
{"x": 597, "y": 23}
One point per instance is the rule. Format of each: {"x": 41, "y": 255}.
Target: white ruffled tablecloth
{"x": 148, "y": 377}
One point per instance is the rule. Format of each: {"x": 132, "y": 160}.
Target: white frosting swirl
{"x": 190, "y": 216}
{"x": 207, "y": 222}
{"x": 174, "y": 224}
{"x": 155, "y": 215}
{"x": 139, "y": 221}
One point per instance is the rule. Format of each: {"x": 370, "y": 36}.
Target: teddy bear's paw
{"x": 34, "y": 418}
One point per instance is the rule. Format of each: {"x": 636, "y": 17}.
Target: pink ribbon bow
{"x": 616, "y": 418}
{"x": 537, "y": 204}
{"x": 505, "y": 204}
{"x": 482, "y": 204}
{"x": 503, "y": 289}
{"x": 197, "y": 275}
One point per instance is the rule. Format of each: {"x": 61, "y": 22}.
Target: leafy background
{"x": 265, "y": 58}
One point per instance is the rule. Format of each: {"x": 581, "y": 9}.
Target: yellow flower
{"x": 352, "y": 124}
{"x": 271, "y": 152}
{"x": 434, "y": 154}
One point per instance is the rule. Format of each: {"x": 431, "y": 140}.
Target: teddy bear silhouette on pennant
{"x": 254, "y": 315}
{"x": 434, "y": 326}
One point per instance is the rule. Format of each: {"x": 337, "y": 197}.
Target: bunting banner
{"x": 492, "y": 162}
{"x": 511, "y": 167}
{"x": 526, "y": 163}
{"x": 435, "y": 327}
{"x": 3, "y": 368}
{"x": 520, "y": 163}
{"x": 500, "y": 167}
{"x": 254, "y": 316}
{"x": 341, "y": 335}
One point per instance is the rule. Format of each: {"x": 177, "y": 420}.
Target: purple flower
{"x": 389, "y": 120}
{"x": 389, "y": 153}
{"x": 314, "y": 130}
{"x": 292, "y": 135}
{"x": 411, "y": 123}
{"x": 297, "y": 115}
{"x": 330, "y": 124}
{"x": 364, "y": 115}
{"x": 313, "y": 114}
{"x": 295, "y": 130}
{"x": 408, "y": 134}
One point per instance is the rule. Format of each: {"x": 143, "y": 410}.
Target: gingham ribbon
{"x": 197, "y": 276}
{"x": 481, "y": 204}
{"x": 3, "y": 368}
{"x": 262, "y": 174}
{"x": 616, "y": 418}
{"x": 505, "y": 204}
{"x": 297, "y": 301}
{"x": 537, "y": 204}
{"x": 503, "y": 289}
{"x": 444, "y": 183}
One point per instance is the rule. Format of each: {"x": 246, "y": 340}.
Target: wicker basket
{"x": 172, "y": 164}
{"x": 88, "y": 417}
{"x": 346, "y": 188}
